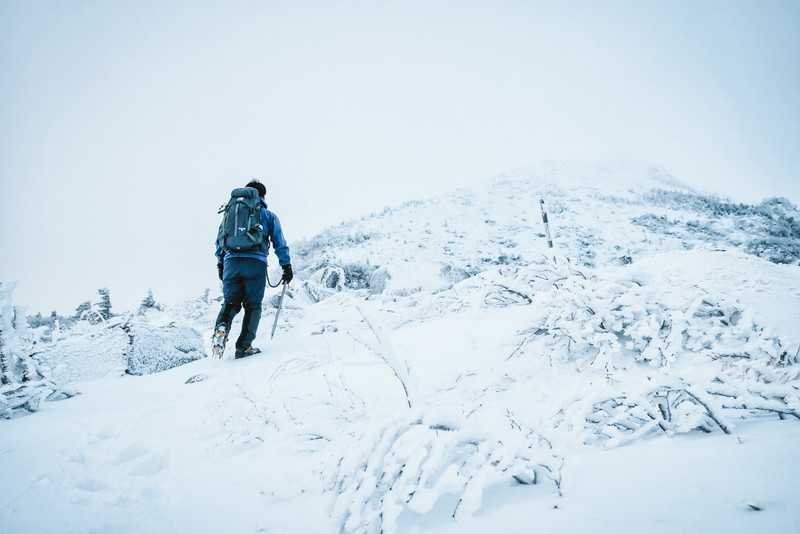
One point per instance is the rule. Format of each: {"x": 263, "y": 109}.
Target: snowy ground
{"x": 114, "y": 468}
{"x": 434, "y": 375}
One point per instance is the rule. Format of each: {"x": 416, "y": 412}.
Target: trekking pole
{"x": 278, "y": 313}
{"x": 546, "y": 224}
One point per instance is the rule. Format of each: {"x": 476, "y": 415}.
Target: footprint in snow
{"x": 93, "y": 485}
{"x": 152, "y": 465}
{"x": 131, "y": 452}
{"x": 77, "y": 457}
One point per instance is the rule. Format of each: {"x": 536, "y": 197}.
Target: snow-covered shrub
{"x": 781, "y": 398}
{"x": 610, "y": 323}
{"x": 24, "y": 382}
{"x": 358, "y": 275}
{"x": 656, "y": 224}
{"x": 86, "y": 352}
{"x": 453, "y": 274}
{"x": 613, "y": 416}
{"x": 515, "y": 285}
{"x": 311, "y": 292}
{"x": 776, "y": 249}
{"x": 703, "y": 356}
{"x": 500, "y": 287}
{"x": 37, "y": 321}
{"x": 345, "y": 275}
{"x": 153, "y": 350}
{"x": 415, "y": 459}
{"x": 335, "y": 238}
{"x": 379, "y": 279}
{"x": 146, "y": 342}
{"x": 770, "y": 230}
{"x": 710, "y": 204}
{"x": 331, "y": 277}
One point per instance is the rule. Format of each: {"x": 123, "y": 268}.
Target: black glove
{"x": 220, "y": 266}
{"x": 287, "y": 274}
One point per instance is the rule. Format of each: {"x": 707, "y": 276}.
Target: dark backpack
{"x": 241, "y": 229}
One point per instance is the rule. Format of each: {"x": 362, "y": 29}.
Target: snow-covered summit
{"x": 599, "y": 215}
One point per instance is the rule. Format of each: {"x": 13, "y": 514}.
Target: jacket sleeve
{"x": 277, "y": 239}
{"x": 220, "y": 253}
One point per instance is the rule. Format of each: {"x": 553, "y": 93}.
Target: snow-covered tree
{"x": 149, "y": 303}
{"x": 104, "y": 306}
{"x": 6, "y": 337}
{"x": 24, "y": 382}
{"x": 82, "y": 309}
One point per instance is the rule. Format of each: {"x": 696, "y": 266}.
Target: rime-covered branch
{"x": 415, "y": 460}
{"x": 386, "y": 352}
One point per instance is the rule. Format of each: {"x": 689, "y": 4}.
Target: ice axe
{"x": 278, "y": 313}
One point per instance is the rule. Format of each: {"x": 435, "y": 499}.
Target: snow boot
{"x": 218, "y": 340}
{"x": 249, "y": 351}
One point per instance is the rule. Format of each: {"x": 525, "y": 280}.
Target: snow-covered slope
{"x": 599, "y": 215}
{"x": 438, "y": 369}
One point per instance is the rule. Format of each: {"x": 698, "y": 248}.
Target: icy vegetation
{"x": 38, "y": 353}
{"x": 429, "y": 356}
{"x": 24, "y": 383}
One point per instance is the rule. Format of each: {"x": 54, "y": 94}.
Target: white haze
{"x": 124, "y": 125}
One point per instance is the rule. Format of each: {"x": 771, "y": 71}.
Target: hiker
{"x": 242, "y": 264}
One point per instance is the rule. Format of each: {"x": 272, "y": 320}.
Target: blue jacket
{"x": 269, "y": 221}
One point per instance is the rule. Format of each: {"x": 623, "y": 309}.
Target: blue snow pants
{"x": 243, "y": 283}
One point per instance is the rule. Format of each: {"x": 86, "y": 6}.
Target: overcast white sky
{"x": 124, "y": 125}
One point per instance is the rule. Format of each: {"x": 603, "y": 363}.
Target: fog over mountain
{"x": 126, "y": 124}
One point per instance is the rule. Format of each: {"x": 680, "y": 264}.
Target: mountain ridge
{"x": 642, "y": 210}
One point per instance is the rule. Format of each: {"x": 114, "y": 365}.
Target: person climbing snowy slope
{"x": 243, "y": 241}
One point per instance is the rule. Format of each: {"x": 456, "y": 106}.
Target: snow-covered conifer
{"x": 104, "y": 306}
